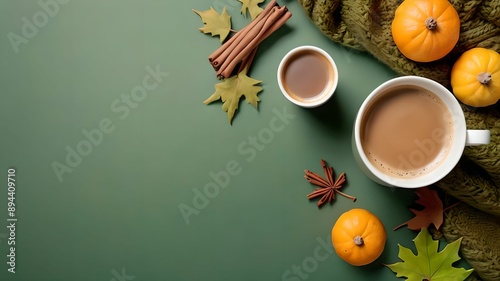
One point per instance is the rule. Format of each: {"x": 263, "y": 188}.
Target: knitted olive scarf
{"x": 365, "y": 25}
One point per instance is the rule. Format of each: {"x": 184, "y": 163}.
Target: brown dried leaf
{"x": 432, "y": 213}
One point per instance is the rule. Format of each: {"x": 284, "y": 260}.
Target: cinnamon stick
{"x": 276, "y": 25}
{"x": 247, "y": 61}
{"x": 215, "y": 58}
{"x": 243, "y": 43}
{"x": 241, "y": 48}
{"x": 247, "y": 45}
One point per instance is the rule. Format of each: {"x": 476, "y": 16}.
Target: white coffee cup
{"x": 461, "y": 137}
{"x": 326, "y": 85}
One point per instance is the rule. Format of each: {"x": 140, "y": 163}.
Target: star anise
{"x": 327, "y": 187}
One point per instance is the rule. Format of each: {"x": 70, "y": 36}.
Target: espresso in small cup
{"x": 407, "y": 131}
{"x": 307, "y": 76}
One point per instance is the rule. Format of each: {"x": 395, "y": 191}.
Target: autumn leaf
{"x": 429, "y": 264}
{"x": 214, "y": 23}
{"x": 232, "y": 89}
{"x": 432, "y": 213}
{"x": 252, "y": 6}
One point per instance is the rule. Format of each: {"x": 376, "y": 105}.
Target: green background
{"x": 117, "y": 214}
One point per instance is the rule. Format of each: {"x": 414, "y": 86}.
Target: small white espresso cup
{"x": 457, "y": 140}
{"x": 307, "y": 76}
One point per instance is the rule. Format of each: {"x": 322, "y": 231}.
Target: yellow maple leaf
{"x": 232, "y": 89}
{"x": 252, "y": 6}
{"x": 215, "y": 23}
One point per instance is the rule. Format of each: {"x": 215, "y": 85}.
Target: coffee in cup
{"x": 410, "y": 132}
{"x": 307, "y": 76}
{"x": 407, "y": 131}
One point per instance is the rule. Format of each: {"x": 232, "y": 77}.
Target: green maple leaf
{"x": 429, "y": 264}
{"x": 214, "y": 23}
{"x": 232, "y": 89}
{"x": 252, "y": 6}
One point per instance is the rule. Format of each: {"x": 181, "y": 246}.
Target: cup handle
{"x": 477, "y": 137}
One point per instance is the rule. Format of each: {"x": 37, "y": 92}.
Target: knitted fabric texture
{"x": 365, "y": 25}
{"x": 476, "y": 179}
{"x": 479, "y": 247}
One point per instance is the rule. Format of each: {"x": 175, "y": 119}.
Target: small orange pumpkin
{"x": 358, "y": 237}
{"x": 425, "y": 30}
{"x": 475, "y": 77}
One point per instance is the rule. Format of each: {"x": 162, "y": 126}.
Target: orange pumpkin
{"x": 358, "y": 237}
{"x": 475, "y": 77}
{"x": 425, "y": 30}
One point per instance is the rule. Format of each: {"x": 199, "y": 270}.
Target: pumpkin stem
{"x": 484, "y": 78}
{"x": 430, "y": 23}
{"x": 358, "y": 240}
